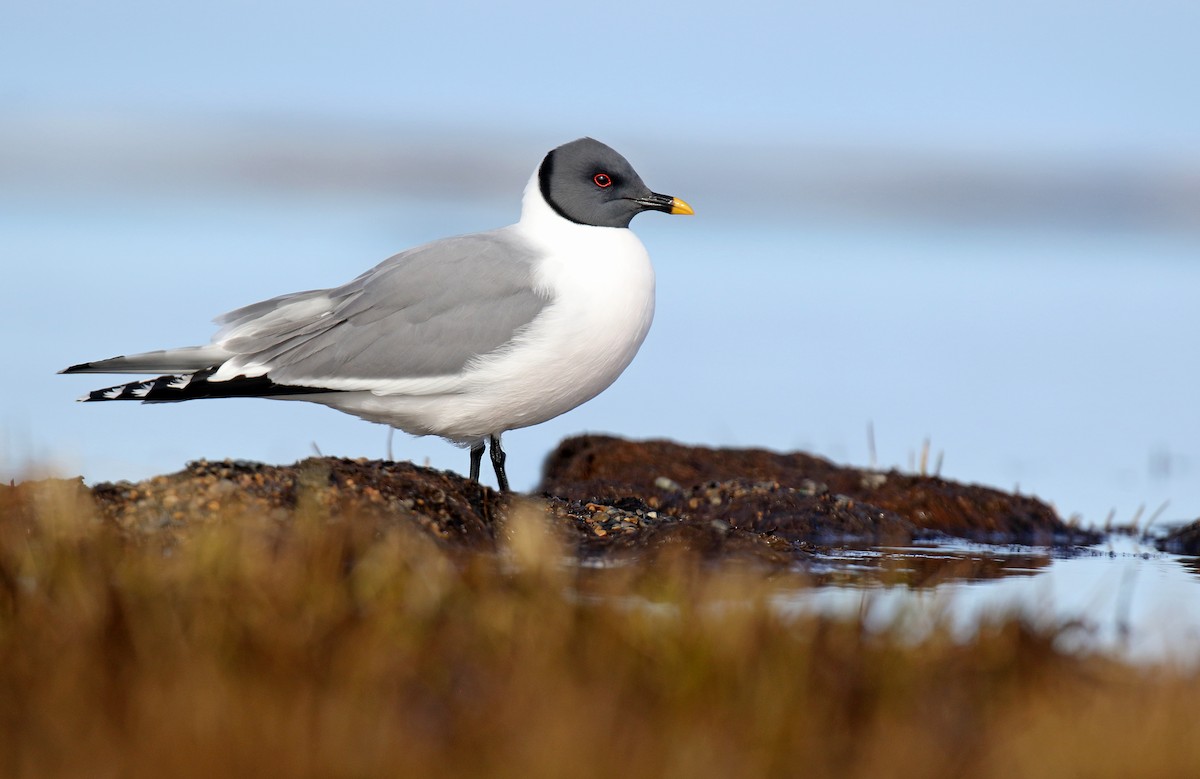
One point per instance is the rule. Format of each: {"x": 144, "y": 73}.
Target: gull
{"x": 464, "y": 338}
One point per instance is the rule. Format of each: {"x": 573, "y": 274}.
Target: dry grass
{"x": 329, "y": 646}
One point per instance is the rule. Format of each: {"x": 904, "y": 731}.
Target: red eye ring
{"x": 602, "y": 180}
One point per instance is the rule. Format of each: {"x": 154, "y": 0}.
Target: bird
{"x": 466, "y": 337}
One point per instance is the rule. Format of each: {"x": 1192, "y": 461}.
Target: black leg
{"x": 476, "y": 459}
{"x": 498, "y": 464}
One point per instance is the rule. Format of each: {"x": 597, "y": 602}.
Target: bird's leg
{"x": 476, "y": 459}
{"x": 498, "y": 463}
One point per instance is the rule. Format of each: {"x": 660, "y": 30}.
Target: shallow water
{"x": 1121, "y": 596}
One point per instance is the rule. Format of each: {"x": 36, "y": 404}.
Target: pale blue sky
{"x": 1060, "y": 75}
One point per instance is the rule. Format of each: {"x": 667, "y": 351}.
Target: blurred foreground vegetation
{"x": 326, "y": 645}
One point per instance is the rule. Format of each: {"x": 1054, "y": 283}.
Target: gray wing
{"x": 424, "y": 312}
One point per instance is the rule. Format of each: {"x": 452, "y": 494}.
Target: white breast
{"x": 601, "y": 285}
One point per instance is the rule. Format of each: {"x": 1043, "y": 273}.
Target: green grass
{"x": 324, "y": 645}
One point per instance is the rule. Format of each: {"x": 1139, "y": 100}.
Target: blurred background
{"x": 972, "y": 224}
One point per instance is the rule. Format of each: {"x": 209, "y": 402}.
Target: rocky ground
{"x": 608, "y": 497}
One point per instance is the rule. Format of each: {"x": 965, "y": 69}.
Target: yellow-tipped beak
{"x": 680, "y": 207}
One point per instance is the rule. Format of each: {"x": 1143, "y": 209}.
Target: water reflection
{"x": 926, "y": 566}
{"x": 1191, "y": 565}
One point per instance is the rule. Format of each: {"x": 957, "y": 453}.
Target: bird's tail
{"x": 189, "y": 359}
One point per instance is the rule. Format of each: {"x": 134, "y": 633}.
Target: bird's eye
{"x": 602, "y": 180}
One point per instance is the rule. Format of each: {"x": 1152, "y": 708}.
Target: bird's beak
{"x": 664, "y": 203}
{"x": 680, "y": 207}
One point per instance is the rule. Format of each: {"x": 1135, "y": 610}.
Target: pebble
{"x": 668, "y": 485}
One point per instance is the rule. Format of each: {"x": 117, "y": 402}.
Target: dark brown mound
{"x": 795, "y": 495}
{"x": 604, "y": 495}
